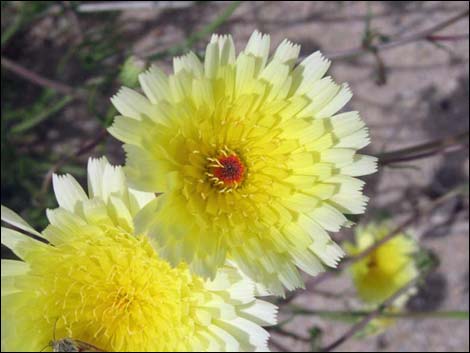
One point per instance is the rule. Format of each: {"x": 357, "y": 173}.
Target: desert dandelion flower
{"x": 386, "y": 269}
{"x": 97, "y": 282}
{"x": 383, "y": 272}
{"x": 253, "y": 161}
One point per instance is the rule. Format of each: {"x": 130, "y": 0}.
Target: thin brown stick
{"x": 373, "y": 314}
{"x": 424, "y": 150}
{"x": 286, "y": 333}
{"x": 36, "y": 78}
{"x": 421, "y": 35}
{"x": 422, "y": 155}
{"x": 448, "y": 38}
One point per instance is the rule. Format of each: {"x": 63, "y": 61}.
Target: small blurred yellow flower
{"x": 387, "y": 269}
{"x": 254, "y": 162}
{"x": 383, "y": 272}
{"x": 95, "y": 281}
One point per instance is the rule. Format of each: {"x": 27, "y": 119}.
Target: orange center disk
{"x": 230, "y": 171}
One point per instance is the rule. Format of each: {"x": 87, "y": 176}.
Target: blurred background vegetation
{"x": 51, "y": 38}
{"x": 407, "y": 63}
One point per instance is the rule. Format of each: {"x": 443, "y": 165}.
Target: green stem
{"x": 10, "y": 31}
{"x": 211, "y": 27}
{"x": 36, "y": 120}
{"x": 333, "y": 314}
{"x": 22, "y": 18}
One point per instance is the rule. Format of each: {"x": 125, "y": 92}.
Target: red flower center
{"x": 230, "y": 170}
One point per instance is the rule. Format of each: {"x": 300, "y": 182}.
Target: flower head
{"x": 96, "y": 282}
{"x": 253, "y": 161}
{"x": 386, "y": 269}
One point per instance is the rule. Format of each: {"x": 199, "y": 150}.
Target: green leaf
{"x": 316, "y": 335}
{"x": 130, "y": 70}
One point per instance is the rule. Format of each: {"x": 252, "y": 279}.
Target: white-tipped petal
{"x": 95, "y": 171}
{"x": 154, "y": 83}
{"x": 19, "y": 243}
{"x": 15, "y": 219}
{"x": 68, "y": 191}
{"x": 258, "y": 45}
{"x": 132, "y": 104}
{"x": 336, "y": 103}
{"x": 114, "y": 182}
{"x": 261, "y": 312}
{"x": 190, "y": 63}
{"x": 361, "y": 165}
{"x": 11, "y": 268}
{"x": 287, "y": 52}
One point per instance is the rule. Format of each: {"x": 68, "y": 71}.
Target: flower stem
{"x": 29, "y": 124}
{"x": 338, "y": 314}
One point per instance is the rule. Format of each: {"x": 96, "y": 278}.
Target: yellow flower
{"x": 97, "y": 282}
{"x": 253, "y": 161}
{"x": 387, "y": 269}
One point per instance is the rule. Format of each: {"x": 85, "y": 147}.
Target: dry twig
{"x": 422, "y": 35}
{"x": 37, "y": 79}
